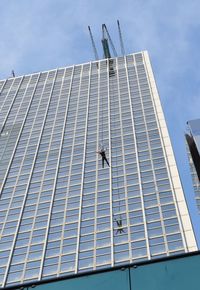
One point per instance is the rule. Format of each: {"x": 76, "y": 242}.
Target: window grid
{"x": 138, "y": 168}
{"x": 3, "y": 184}
{"x": 3, "y": 119}
{"x": 110, "y": 169}
{"x": 6, "y": 216}
{"x": 154, "y": 179}
{"x": 3, "y": 90}
{"x": 123, "y": 154}
{"x": 58, "y": 205}
{"x": 25, "y": 196}
{"x": 50, "y": 215}
{"x": 97, "y": 168}
{"x": 83, "y": 167}
{"x": 66, "y": 201}
{"x": 167, "y": 161}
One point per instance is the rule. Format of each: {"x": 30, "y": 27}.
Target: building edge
{"x": 181, "y": 203}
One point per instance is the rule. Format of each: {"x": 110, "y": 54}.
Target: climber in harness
{"x": 102, "y": 152}
{"x": 120, "y": 229}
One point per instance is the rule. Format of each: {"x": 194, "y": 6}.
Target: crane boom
{"x": 104, "y": 29}
{"x": 106, "y": 49}
{"x": 120, "y": 38}
{"x": 93, "y": 44}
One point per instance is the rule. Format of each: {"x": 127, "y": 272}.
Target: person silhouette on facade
{"x": 120, "y": 228}
{"x": 102, "y": 152}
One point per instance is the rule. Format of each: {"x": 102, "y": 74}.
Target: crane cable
{"x": 102, "y": 121}
{"x": 119, "y": 216}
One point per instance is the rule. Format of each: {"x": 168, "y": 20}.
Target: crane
{"x": 106, "y": 39}
{"x": 105, "y": 43}
{"x": 93, "y": 44}
{"x": 120, "y": 38}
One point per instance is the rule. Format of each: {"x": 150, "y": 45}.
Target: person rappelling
{"x": 120, "y": 228}
{"x": 102, "y": 152}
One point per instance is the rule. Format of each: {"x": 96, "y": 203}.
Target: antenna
{"x": 93, "y": 44}
{"x": 120, "y": 38}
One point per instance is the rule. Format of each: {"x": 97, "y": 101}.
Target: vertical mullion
{"x": 39, "y": 194}
{"x": 12, "y": 250}
{"x": 3, "y": 82}
{"x": 20, "y": 132}
{"x": 39, "y": 141}
{"x": 75, "y": 124}
{"x": 55, "y": 181}
{"x": 167, "y": 164}
{"x": 63, "y": 135}
{"x": 97, "y": 168}
{"x": 21, "y": 103}
{"x": 1, "y": 90}
{"x": 5, "y": 99}
{"x": 138, "y": 166}
{"x": 153, "y": 172}
{"x": 83, "y": 171}
{"x": 37, "y": 150}
{"x": 11, "y": 105}
{"x": 124, "y": 169}
{"x": 7, "y": 214}
{"x": 28, "y": 183}
{"x": 22, "y": 100}
{"x": 110, "y": 168}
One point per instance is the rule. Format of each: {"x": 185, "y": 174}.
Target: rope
{"x": 102, "y": 122}
{"x": 116, "y": 155}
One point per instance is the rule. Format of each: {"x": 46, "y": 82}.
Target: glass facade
{"x": 193, "y": 146}
{"x": 59, "y": 208}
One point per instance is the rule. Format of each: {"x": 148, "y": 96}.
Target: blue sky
{"x": 45, "y": 34}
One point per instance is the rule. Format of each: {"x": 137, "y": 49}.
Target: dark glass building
{"x": 193, "y": 142}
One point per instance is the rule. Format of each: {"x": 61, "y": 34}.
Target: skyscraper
{"x": 193, "y": 142}
{"x": 61, "y": 211}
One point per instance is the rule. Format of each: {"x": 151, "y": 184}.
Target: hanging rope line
{"x": 115, "y": 111}
{"x": 102, "y": 150}
{"x": 102, "y": 121}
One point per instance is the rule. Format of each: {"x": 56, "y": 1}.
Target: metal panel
{"x": 116, "y": 280}
{"x": 176, "y": 274}
{"x": 173, "y": 273}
